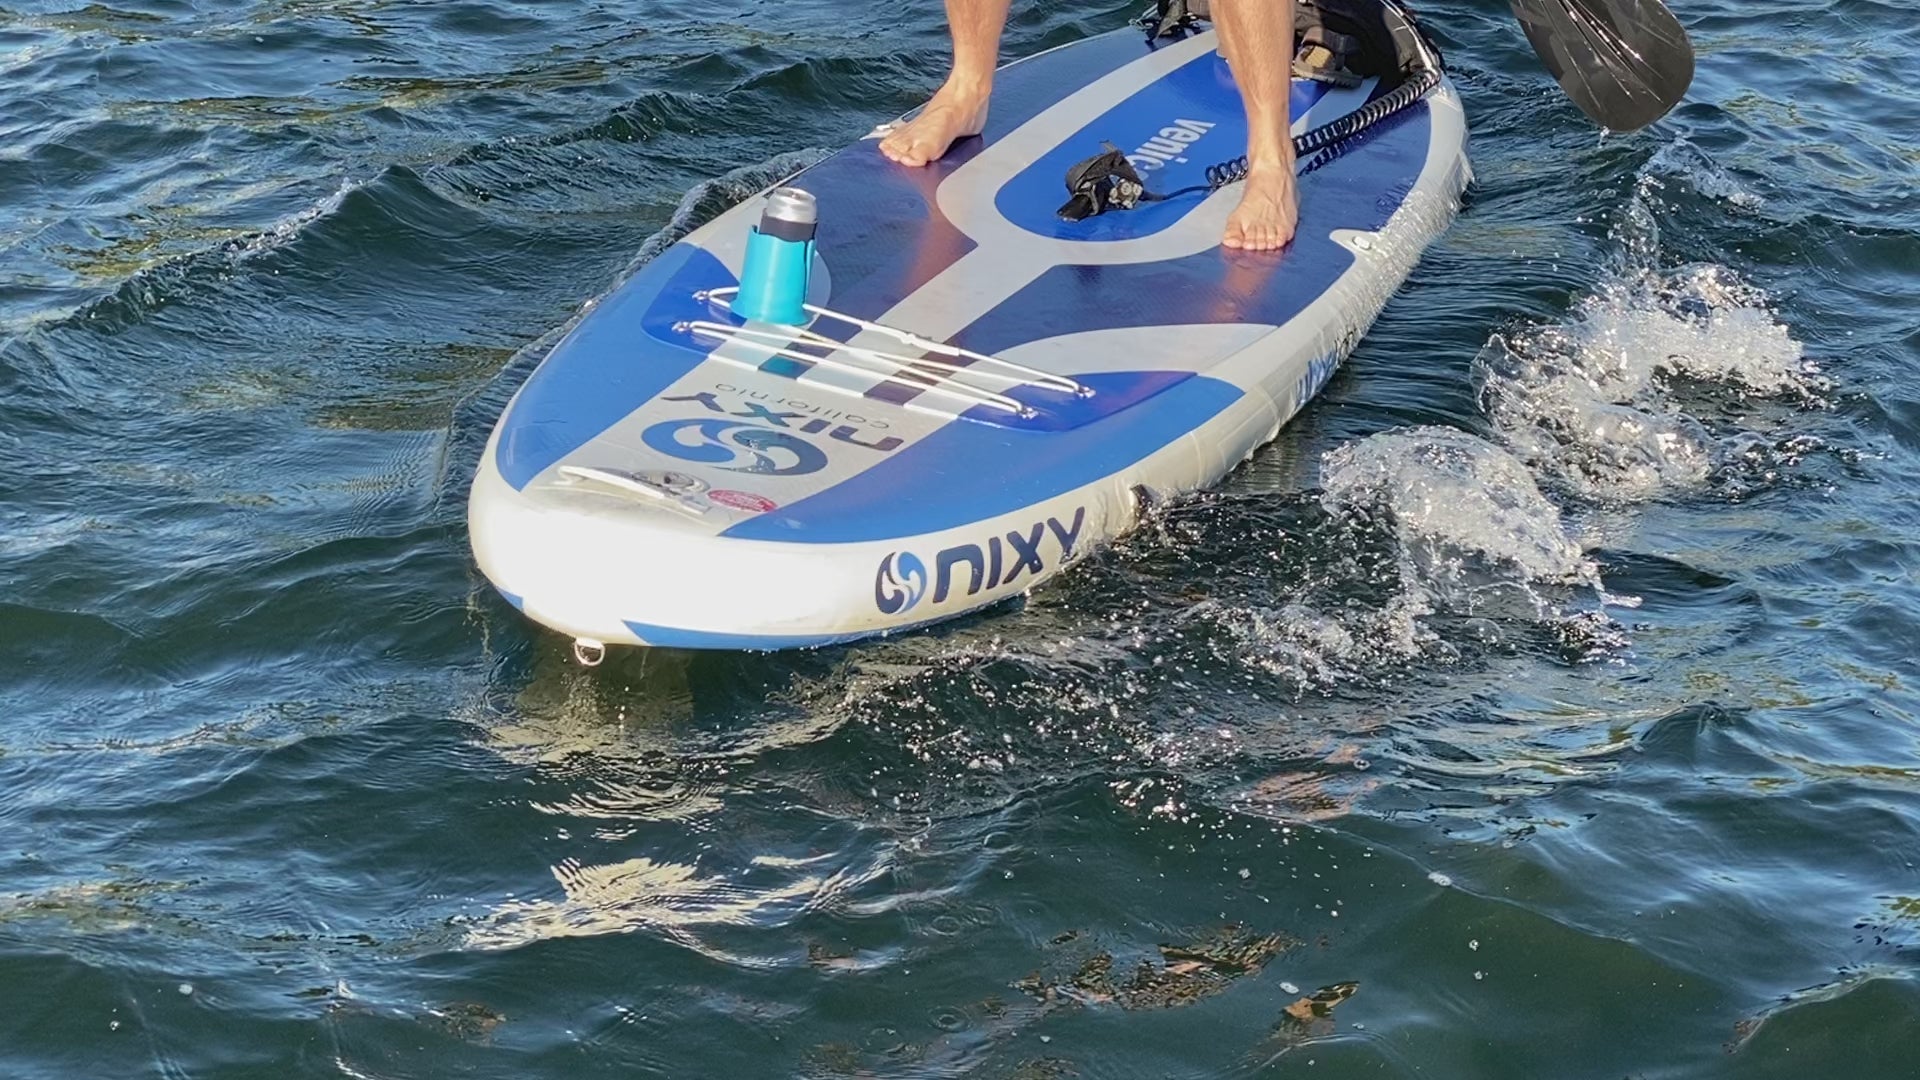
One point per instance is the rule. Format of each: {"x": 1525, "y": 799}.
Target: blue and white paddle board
{"x": 990, "y": 392}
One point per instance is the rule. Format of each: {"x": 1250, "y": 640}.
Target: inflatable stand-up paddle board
{"x": 955, "y": 392}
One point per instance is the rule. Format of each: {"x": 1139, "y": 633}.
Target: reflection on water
{"x": 639, "y": 894}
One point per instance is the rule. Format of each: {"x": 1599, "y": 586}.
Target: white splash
{"x": 1319, "y": 648}
{"x": 1684, "y": 161}
{"x": 1471, "y": 535}
{"x": 1467, "y": 514}
{"x": 1595, "y": 399}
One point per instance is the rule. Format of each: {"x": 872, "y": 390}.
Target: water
{"x": 1540, "y": 704}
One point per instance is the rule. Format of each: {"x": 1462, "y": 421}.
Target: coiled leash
{"x": 1108, "y": 181}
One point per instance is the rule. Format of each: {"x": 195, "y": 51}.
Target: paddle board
{"x": 985, "y": 393}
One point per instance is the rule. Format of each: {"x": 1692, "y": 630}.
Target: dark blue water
{"x": 1541, "y": 704}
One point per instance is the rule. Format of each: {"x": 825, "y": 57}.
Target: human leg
{"x": 959, "y": 108}
{"x": 1256, "y": 36}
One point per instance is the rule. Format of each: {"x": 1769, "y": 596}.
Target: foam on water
{"x": 1599, "y": 400}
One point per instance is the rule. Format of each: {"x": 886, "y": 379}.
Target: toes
{"x": 909, "y": 148}
{"x": 1265, "y": 236}
{"x": 902, "y": 153}
{"x": 1243, "y": 237}
{"x": 1256, "y": 235}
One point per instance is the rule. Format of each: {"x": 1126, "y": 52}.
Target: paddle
{"x": 1624, "y": 62}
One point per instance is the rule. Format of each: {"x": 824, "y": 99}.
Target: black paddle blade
{"x": 1624, "y": 62}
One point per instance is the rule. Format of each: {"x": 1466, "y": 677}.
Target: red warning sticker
{"x": 742, "y": 500}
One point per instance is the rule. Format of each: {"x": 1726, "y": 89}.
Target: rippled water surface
{"x": 1541, "y": 704}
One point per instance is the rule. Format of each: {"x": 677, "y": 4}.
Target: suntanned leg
{"x": 1256, "y": 36}
{"x": 959, "y": 108}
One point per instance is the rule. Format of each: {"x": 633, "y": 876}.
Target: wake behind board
{"x": 986, "y": 392}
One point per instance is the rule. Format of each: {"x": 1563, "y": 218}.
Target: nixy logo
{"x": 735, "y": 446}
{"x": 900, "y": 584}
{"x": 902, "y": 578}
{"x": 1169, "y": 144}
{"x": 755, "y": 439}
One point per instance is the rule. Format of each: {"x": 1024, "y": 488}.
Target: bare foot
{"x": 1268, "y": 212}
{"x": 953, "y": 114}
